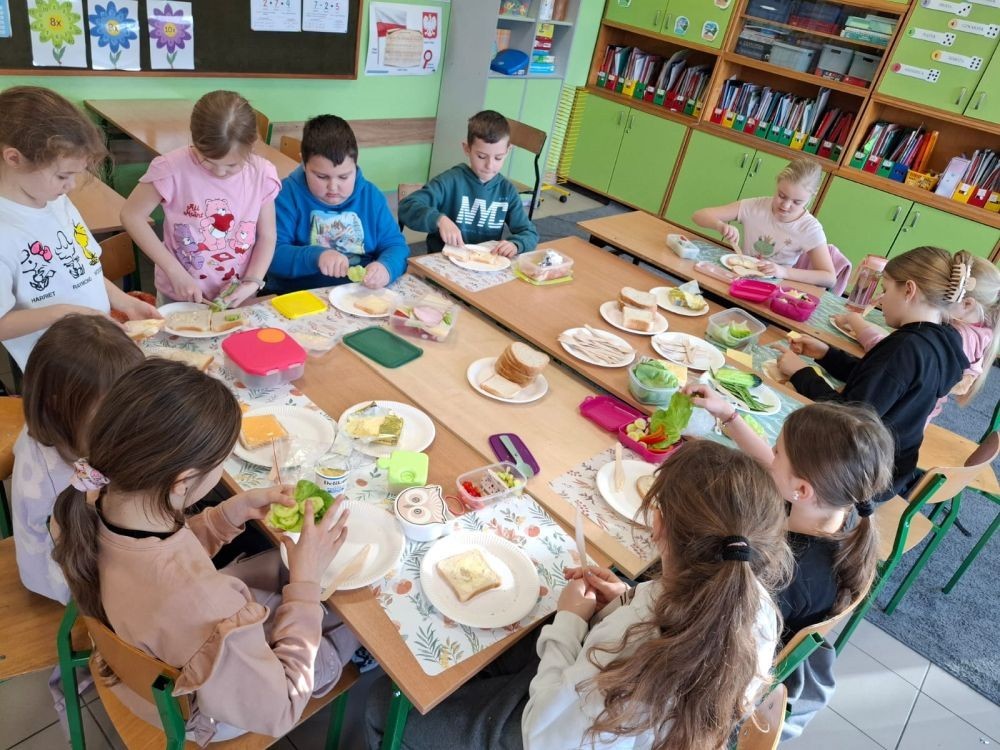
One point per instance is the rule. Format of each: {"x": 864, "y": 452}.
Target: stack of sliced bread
{"x": 638, "y": 309}
{"x": 515, "y": 369}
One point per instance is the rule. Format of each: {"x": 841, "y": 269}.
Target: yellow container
{"x": 298, "y": 304}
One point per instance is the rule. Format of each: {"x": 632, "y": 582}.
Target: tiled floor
{"x": 888, "y": 696}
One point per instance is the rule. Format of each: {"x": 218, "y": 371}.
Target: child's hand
{"x": 505, "y": 248}
{"x": 606, "y": 585}
{"x": 185, "y": 288}
{"x": 253, "y": 505}
{"x": 852, "y": 321}
{"x": 790, "y": 363}
{"x": 376, "y": 275}
{"x": 579, "y": 599}
{"x": 136, "y": 309}
{"x": 768, "y": 268}
{"x": 309, "y": 558}
{"x": 729, "y": 233}
{"x": 240, "y": 294}
{"x": 450, "y": 232}
{"x": 809, "y": 347}
{"x": 705, "y": 397}
{"x": 333, "y": 263}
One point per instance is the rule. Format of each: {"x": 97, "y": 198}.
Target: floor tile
{"x": 933, "y": 726}
{"x": 53, "y": 738}
{"x": 874, "y": 699}
{"x": 958, "y": 697}
{"x": 830, "y": 731}
{"x": 26, "y": 706}
{"x": 894, "y": 654}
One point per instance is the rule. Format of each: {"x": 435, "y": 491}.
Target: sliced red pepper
{"x": 655, "y": 437}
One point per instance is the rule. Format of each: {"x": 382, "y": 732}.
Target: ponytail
{"x": 854, "y": 562}
{"x": 76, "y": 550}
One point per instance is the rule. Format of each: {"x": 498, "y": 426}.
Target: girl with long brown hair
{"x": 218, "y": 207}
{"x": 251, "y": 659}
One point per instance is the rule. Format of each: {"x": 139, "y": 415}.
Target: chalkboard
{"x": 224, "y": 44}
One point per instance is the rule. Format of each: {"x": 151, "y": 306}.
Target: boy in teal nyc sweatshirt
{"x": 471, "y": 203}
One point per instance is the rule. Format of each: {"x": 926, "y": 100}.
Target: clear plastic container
{"x": 534, "y": 266}
{"x": 431, "y": 318}
{"x": 648, "y": 394}
{"x": 718, "y": 328}
{"x": 264, "y": 357}
{"x": 488, "y": 485}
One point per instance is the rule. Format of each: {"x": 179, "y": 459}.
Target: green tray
{"x": 383, "y": 346}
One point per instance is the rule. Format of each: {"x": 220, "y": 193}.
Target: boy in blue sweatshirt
{"x": 331, "y": 218}
{"x": 470, "y": 203}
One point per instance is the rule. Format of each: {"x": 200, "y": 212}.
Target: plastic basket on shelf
{"x": 922, "y": 180}
{"x": 770, "y": 10}
{"x": 752, "y": 48}
{"x": 796, "y": 58}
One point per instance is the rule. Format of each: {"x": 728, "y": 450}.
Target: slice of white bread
{"x": 197, "y": 360}
{"x": 226, "y": 320}
{"x": 500, "y": 386}
{"x": 474, "y": 254}
{"x": 631, "y": 297}
{"x": 468, "y": 574}
{"x": 260, "y": 430}
{"x": 192, "y": 320}
{"x": 520, "y": 364}
{"x": 372, "y": 304}
{"x": 638, "y": 320}
{"x": 138, "y": 330}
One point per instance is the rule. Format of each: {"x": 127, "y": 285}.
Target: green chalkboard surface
{"x": 224, "y": 44}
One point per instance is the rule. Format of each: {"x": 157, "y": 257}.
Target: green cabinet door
{"x": 985, "y": 101}
{"x": 601, "y": 128}
{"x": 643, "y": 14}
{"x": 712, "y": 174}
{"x": 763, "y": 173}
{"x": 646, "y": 160}
{"x": 860, "y": 220}
{"x": 699, "y": 21}
{"x": 929, "y": 226}
{"x": 952, "y": 85}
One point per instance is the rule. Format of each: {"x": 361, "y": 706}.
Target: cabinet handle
{"x": 667, "y": 23}
{"x": 980, "y": 100}
{"x": 743, "y": 162}
{"x": 656, "y": 18}
{"x": 628, "y": 126}
{"x": 961, "y": 95}
{"x": 621, "y": 114}
{"x": 756, "y": 165}
{"x": 916, "y": 218}
{"x": 895, "y": 214}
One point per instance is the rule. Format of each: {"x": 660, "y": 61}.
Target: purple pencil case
{"x": 502, "y": 454}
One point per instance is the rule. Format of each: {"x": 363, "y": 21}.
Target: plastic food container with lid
{"x": 794, "y": 304}
{"x": 264, "y": 357}
{"x": 753, "y": 290}
{"x": 648, "y": 394}
{"x": 542, "y": 265}
{"x": 430, "y": 318}
{"x": 718, "y": 328}
{"x": 480, "y": 487}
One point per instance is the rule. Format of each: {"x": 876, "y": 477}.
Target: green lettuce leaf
{"x": 290, "y": 519}
{"x": 653, "y": 374}
{"x": 672, "y": 420}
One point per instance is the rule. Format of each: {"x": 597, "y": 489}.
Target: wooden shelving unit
{"x": 794, "y": 75}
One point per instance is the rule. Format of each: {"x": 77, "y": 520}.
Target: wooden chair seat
{"x": 944, "y": 448}
{"x": 886, "y": 519}
{"x": 762, "y": 731}
{"x": 11, "y": 424}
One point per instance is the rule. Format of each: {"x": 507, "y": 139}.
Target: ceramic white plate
{"x": 344, "y": 296}
{"x": 367, "y": 524}
{"x": 502, "y": 264}
{"x": 178, "y": 307}
{"x": 627, "y": 501}
{"x": 612, "y": 313}
{"x": 300, "y": 423}
{"x": 482, "y": 369}
{"x": 496, "y": 608}
{"x": 728, "y": 262}
{"x": 706, "y": 356}
{"x": 664, "y": 302}
{"x": 626, "y": 359}
{"x": 762, "y": 393}
{"x": 418, "y": 429}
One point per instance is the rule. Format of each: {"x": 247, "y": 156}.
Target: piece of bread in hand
{"x": 139, "y": 330}
{"x": 501, "y": 387}
{"x": 260, "y": 430}
{"x": 226, "y": 320}
{"x": 631, "y": 297}
{"x": 468, "y": 574}
{"x": 196, "y": 360}
{"x": 520, "y": 364}
{"x": 199, "y": 321}
{"x": 372, "y": 304}
{"x": 638, "y": 320}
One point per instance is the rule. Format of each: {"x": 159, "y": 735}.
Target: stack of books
{"x": 872, "y": 28}
{"x": 543, "y": 62}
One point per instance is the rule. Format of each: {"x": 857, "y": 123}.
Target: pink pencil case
{"x": 753, "y": 290}
{"x": 796, "y": 305}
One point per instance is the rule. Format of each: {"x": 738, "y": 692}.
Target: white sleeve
{"x": 7, "y": 298}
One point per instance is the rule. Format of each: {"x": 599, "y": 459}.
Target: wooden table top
{"x": 99, "y": 205}
{"x": 644, "y": 236}
{"x": 163, "y": 125}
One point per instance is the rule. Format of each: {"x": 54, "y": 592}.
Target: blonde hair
{"x": 804, "y": 172}
{"x": 222, "y": 121}
{"x": 686, "y": 682}
{"x": 985, "y": 291}
{"x": 45, "y": 126}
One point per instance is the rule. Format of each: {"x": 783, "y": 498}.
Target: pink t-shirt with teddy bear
{"x": 209, "y": 222}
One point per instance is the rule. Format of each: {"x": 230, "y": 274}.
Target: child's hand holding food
{"x": 707, "y": 398}
{"x": 318, "y": 544}
{"x": 505, "y": 248}
{"x": 254, "y": 504}
{"x": 376, "y": 275}
{"x": 767, "y": 268}
{"x": 450, "y": 232}
{"x": 577, "y": 597}
{"x": 606, "y": 585}
{"x": 729, "y": 233}
{"x": 790, "y": 363}
{"x": 333, "y": 263}
{"x": 808, "y": 346}
{"x": 852, "y": 321}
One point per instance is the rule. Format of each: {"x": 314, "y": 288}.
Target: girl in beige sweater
{"x": 134, "y": 560}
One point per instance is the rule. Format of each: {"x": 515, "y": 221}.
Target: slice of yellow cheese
{"x": 261, "y": 430}
{"x": 679, "y": 371}
{"x": 742, "y": 357}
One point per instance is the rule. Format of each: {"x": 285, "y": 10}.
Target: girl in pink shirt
{"x": 976, "y": 318}
{"x": 250, "y": 659}
{"x": 218, "y": 207}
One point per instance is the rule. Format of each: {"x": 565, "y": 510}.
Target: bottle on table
{"x": 861, "y": 298}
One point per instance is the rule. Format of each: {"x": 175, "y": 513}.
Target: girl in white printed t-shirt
{"x": 779, "y": 229}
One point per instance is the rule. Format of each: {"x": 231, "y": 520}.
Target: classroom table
{"x": 644, "y": 236}
{"x": 162, "y": 125}
{"x": 98, "y": 204}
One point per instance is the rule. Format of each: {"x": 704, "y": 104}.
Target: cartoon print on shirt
{"x": 338, "y": 231}
{"x": 66, "y": 252}
{"x": 217, "y": 223}
{"x": 187, "y": 248}
{"x": 246, "y": 235}
{"x": 764, "y": 246}
{"x": 31, "y": 258}
{"x": 82, "y": 237}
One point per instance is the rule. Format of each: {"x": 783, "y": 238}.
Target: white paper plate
{"x": 502, "y": 264}
{"x": 728, "y": 262}
{"x": 418, "y": 429}
{"x": 496, "y": 608}
{"x": 344, "y": 296}
{"x": 841, "y": 329}
{"x": 664, "y": 302}
{"x": 300, "y": 424}
{"x": 762, "y": 393}
{"x": 613, "y": 314}
{"x": 367, "y": 524}
{"x": 626, "y": 359}
{"x": 178, "y": 307}
{"x": 707, "y": 356}
{"x": 482, "y": 369}
{"x": 627, "y": 501}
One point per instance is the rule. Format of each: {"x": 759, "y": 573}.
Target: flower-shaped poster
{"x": 57, "y": 33}
{"x": 114, "y": 34}
{"x": 171, "y": 36}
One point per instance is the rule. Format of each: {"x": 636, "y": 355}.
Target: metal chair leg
{"x": 5, "y": 522}
{"x": 337, "y": 710}
{"x": 395, "y": 723}
{"x": 925, "y": 556}
{"x": 69, "y": 661}
{"x": 970, "y": 558}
